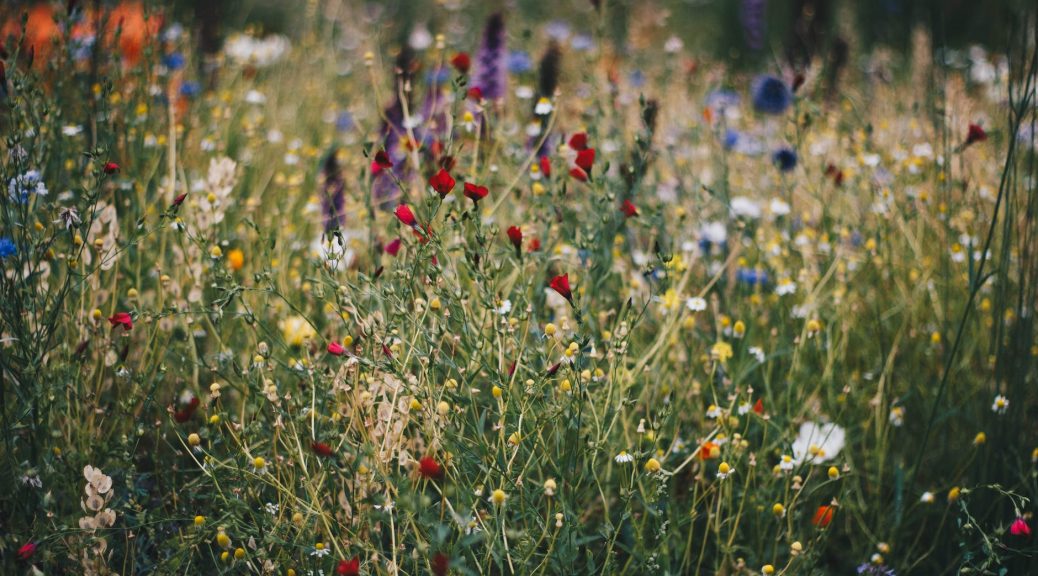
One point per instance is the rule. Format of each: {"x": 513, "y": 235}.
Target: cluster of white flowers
{"x": 259, "y": 52}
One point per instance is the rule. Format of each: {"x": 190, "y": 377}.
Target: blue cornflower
{"x": 751, "y": 276}
{"x": 519, "y": 62}
{"x": 438, "y": 76}
{"x": 723, "y": 99}
{"x": 785, "y": 159}
{"x": 20, "y": 187}
{"x": 7, "y": 248}
{"x": 344, "y": 121}
{"x": 771, "y": 95}
{"x": 637, "y": 78}
{"x": 190, "y": 89}
{"x": 582, "y": 43}
{"x": 173, "y": 61}
{"x": 731, "y": 139}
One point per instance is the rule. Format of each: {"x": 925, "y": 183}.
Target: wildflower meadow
{"x": 342, "y": 287}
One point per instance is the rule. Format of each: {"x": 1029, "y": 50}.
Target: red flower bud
{"x": 975, "y": 134}
{"x": 629, "y": 209}
{"x": 111, "y": 168}
{"x": 26, "y": 551}
{"x": 393, "y": 247}
{"x": 336, "y": 349}
{"x": 546, "y": 166}
{"x": 406, "y": 217}
{"x": 823, "y": 516}
{"x": 560, "y": 284}
{"x": 515, "y": 236}
{"x": 461, "y": 62}
{"x": 586, "y": 159}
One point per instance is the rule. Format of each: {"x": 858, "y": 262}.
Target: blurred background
{"x": 746, "y": 32}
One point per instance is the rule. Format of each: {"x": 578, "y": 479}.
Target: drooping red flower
{"x": 111, "y": 168}
{"x": 975, "y": 134}
{"x": 578, "y": 141}
{"x": 429, "y": 468}
{"x": 475, "y": 192}
{"x": 393, "y": 247}
{"x": 406, "y": 216}
{"x": 560, "y": 284}
{"x": 578, "y": 173}
{"x": 336, "y": 349}
{"x": 440, "y": 564}
{"x": 546, "y": 166}
{"x": 122, "y": 319}
{"x": 348, "y": 567}
{"x": 27, "y": 550}
{"x": 442, "y": 183}
{"x": 381, "y": 162}
{"x": 461, "y": 62}
{"x": 1019, "y": 527}
{"x": 179, "y": 200}
{"x": 515, "y": 236}
{"x": 758, "y": 406}
{"x": 823, "y": 516}
{"x": 629, "y": 209}
{"x": 322, "y": 449}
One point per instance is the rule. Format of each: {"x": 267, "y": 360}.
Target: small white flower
{"x": 713, "y": 412}
{"x": 505, "y": 308}
{"x": 543, "y": 107}
{"x": 320, "y": 551}
{"x": 897, "y": 416}
{"x": 818, "y": 443}
{"x": 624, "y": 458}
{"x": 272, "y": 508}
{"x": 1000, "y": 405}
{"x": 786, "y": 463}
{"x": 744, "y": 408}
{"x": 696, "y": 304}
{"x": 758, "y": 353}
{"x": 786, "y": 287}
{"x": 927, "y": 497}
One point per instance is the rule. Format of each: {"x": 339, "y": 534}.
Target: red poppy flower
{"x": 348, "y": 567}
{"x": 475, "y": 94}
{"x": 578, "y": 173}
{"x": 975, "y": 134}
{"x": 535, "y": 245}
{"x": 578, "y": 141}
{"x": 629, "y": 209}
{"x": 586, "y": 159}
{"x": 440, "y": 564}
{"x": 381, "y": 162}
{"x": 322, "y": 449}
{"x": 393, "y": 247}
{"x": 336, "y": 349}
{"x": 442, "y": 183}
{"x": 823, "y": 516}
{"x": 545, "y": 166}
{"x": 461, "y": 62}
{"x": 515, "y": 236}
{"x": 26, "y": 551}
{"x": 122, "y": 319}
{"x": 185, "y": 413}
{"x": 405, "y": 216}
{"x": 560, "y": 284}
{"x": 429, "y": 468}
{"x": 111, "y": 168}
{"x": 758, "y": 406}
{"x": 475, "y": 192}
